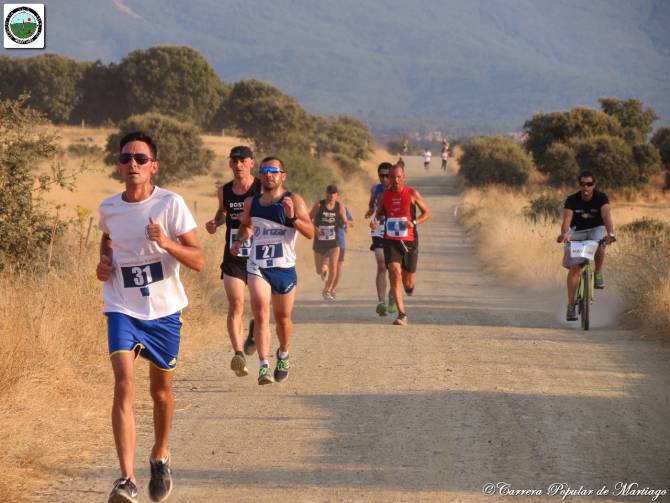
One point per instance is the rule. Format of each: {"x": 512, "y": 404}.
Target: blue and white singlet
{"x": 273, "y": 242}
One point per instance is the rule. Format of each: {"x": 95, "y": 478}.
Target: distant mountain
{"x": 455, "y": 62}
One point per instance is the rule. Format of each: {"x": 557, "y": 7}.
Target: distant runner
{"x": 147, "y": 233}
{"x": 326, "y": 216}
{"x": 401, "y": 250}
{"x": 377, "y": 234}
{"x": 444, "y": 154}
{"x": 273, "y": 219}
{"x": 427, "y": 155}
{"x": 234, "y": 268}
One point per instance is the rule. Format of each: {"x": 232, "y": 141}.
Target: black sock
{"x": 239, "y": 353}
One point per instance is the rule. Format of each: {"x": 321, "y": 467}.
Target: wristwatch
{"x": 292, "y": 219}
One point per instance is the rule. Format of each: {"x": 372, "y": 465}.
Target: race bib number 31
{"x": 139, "y": 276}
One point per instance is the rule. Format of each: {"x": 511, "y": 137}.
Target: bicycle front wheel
{"x": 586, "y": 298}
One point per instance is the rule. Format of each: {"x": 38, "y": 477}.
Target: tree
{"x": 560, "y": 163}
{"x": 346, "y": 136}
{"x": 268, "y": 117}
{"x": 580, "y": 122}
{"x": 102, "y": 95}
{"x": 180, "y": 149}
{"x": 635, "y": 122}
{"x": 50, "y": 79}
{"x": 495, "y": 160}
{"x": 25, "y": 228}
{"x": 171, "y": 80}
{"x": 610, "y": 159}
{"x": 661, "y": 140}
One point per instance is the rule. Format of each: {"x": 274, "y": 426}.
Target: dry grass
{"x": 55, "y": 378}
{"x": 526, "y": 253}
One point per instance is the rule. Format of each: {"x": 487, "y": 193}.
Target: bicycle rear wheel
{"x": 586, "y": 298}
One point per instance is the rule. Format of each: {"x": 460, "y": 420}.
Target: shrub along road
{"x": 484, "y": 385}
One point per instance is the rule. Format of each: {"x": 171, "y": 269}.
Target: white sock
{"x": 265, "y": 363}
{"x": 283, "y": 354}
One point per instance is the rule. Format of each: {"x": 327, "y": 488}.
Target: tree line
{"x": 178, "y": 82}
{"x": 615, "y": 143}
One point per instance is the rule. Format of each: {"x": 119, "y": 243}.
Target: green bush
{"x": 547, "y": 208}
{"x": 171, "y": 80}
{"x": 560, "y": 164}
{"x": 580, "y": 122}
{"x": 180, "y": 148}
{"x": 647, "y": 231}
{"x": 610, "y": 159}
{"x": 307, "y": 175}
{"x": 495, "y": 160}
{"x": 26, "y": 229}
{"x": 345, "y": 136}
{"x": 84, "y": 148}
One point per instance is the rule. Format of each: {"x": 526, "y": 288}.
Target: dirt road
{"x": 484, "y": 385}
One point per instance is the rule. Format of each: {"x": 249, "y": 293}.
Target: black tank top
{"x": 327, "y": 222}
{"x": 234, "y": 205}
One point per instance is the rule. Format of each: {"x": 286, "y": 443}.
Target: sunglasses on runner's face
{"x": 265, "y": 170}
{"x": 139, "y": 158}
{"x": 587, "y": 184}
{"x": 383, "y": 175}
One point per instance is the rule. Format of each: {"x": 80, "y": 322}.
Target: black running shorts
{"x": 377, "y": 243}
{"x": 234, "y": 267}
{"x": 405, "y": 252}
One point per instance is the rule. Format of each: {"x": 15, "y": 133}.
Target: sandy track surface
{"x": 484, "y": 385}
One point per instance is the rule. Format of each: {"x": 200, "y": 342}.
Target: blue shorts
{"x": 156, "y": 340}
{"x": 282, "y": 279}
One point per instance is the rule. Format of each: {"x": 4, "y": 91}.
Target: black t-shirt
{"x": 234, "y": 205}
{"x": 586, "y": 214}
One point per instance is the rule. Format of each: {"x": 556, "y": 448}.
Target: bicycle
{"x": 585, "y": 250}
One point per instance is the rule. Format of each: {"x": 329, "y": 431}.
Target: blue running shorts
{"x": 282, "y": 279}
{"x": 156, "y": 340}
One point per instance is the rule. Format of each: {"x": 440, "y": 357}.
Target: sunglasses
{"x": 587, "y": 184}
{"x": 382, "y": 175}
{"x": 139, "y": 158}
{"x": 266, "y": 170}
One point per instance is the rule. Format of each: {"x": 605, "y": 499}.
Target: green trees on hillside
{"x": 50, "y": 79}
{"x": 181, "y": 153}
{"x": 612, "y": 143}
{"x": 272, "y": 119}
{"x": 495, "y": 160}
{"x": 174, "y": 81}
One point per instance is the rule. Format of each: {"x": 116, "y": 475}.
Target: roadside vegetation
{"x": 514, "y": 193}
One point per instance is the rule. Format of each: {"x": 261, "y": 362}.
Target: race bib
{"x": 583, "y": 249}
{"x": 138, "y": 276}
{"x": 397, "y": 227}
{"x": 245, "y": 248}
{"x": 269, "y": 252}
{"x": 326, "y": 233}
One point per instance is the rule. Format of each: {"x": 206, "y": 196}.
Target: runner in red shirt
{"x": 401, "y": 249}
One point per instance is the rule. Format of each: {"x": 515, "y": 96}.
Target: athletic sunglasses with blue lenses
{"x": 264, "y": 170}
{"x": 139, "y": 158}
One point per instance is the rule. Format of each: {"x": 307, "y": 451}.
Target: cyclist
{"x": 586, "y": 216}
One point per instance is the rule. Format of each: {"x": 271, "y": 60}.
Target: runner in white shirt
{"x": 427, "y": 155}
{"x": 147, "y": 233}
